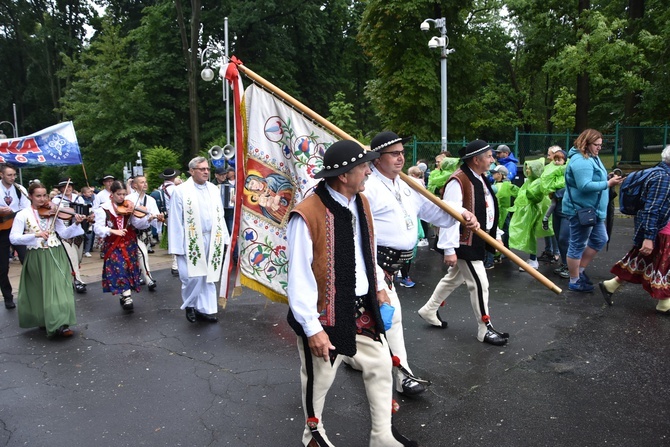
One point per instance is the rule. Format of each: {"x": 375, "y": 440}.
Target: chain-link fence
{"x": 628, "y": 147}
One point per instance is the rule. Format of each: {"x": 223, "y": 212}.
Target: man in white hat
{"x": 337, "y": 294}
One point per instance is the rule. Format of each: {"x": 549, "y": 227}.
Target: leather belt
{"x": 391, "y": 260}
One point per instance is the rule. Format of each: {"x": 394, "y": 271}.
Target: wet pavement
{"x": 576, "y": 372}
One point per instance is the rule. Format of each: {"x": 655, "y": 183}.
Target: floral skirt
{"x": 121, "y": 268}
{"x": 651, "y": 271}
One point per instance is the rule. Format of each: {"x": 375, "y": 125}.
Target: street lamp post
{"x": 207, "y": 74}
{"x": 441, "y": 42}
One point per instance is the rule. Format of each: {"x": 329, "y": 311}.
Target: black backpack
{"x": 632, "y": 188}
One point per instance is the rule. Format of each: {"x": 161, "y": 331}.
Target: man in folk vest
{"x": 464, "y": 254}
{"x": 336, "y": 295}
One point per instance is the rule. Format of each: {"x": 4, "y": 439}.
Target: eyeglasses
{"x": 201, "y": 169}
{"x": 596, "y": 145}
{"x": 394, "y": 153}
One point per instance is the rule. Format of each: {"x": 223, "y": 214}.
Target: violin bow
{"x": 60, "y": 205}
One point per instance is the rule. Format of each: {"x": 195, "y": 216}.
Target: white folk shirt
{"x": 395, "y": 208}
{"x": 17, "y": 203}
{"x": 150, "y": 205}
{"x": 102, "y": 197}
{"x": 449, "y": 240}
{"x": 302, "y": 289}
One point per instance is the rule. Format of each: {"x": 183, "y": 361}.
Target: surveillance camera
{"x": 425, "y": 26}
{"x": 434, "y": 43}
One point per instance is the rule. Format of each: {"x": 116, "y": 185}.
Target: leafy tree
{"x": 108, "y": 103}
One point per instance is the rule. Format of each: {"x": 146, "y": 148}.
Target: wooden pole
{"x": 412, "y": 184}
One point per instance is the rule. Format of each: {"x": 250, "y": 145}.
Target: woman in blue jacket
{"x": 586, "y": 186}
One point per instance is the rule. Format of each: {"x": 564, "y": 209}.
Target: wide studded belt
{"x": 391, "y": 260}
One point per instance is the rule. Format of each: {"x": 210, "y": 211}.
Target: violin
{"x": 49, "y": 210}
{"x": 138, "y": 211}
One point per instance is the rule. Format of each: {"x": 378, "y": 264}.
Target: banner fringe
{"x": 258, "y": 287}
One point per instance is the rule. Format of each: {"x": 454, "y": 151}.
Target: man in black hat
{"x": 74, "y": 247}
{"x": 395, "y": 208}
{"x": 167, "y": 191}
{"x": 104, "y": 195}
{"x": 464, "y": 254}
{"x": 335, "y": 296}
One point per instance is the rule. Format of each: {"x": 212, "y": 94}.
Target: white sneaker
{"x": 87, "y": 255}
{"x": 533, "y": 263}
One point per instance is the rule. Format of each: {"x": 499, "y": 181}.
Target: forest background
{"x": 127, "y": 72}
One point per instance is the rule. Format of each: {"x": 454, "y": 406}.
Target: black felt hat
{"x": 386, "y": 139}
{"x": 64, "y": 181}
{"x": 169, "y": 173}
{"x": 473, "y": 148}
{"x": 343, "y": 155}
{"x": 107, "y": 177}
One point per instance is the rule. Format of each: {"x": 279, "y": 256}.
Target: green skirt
{"x": 46, "y": 297}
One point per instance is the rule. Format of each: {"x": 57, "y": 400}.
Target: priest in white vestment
{"x": 197, "y": 236}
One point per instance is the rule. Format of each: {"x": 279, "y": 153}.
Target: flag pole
{"x": 412, "y": 184}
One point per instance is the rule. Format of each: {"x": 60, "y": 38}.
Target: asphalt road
{"x": 576, "y": 372}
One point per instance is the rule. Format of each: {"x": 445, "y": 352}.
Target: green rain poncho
{"x": 553, "y": 178}
{"x": 438, "y": 177}
{"x": 504, "y": 190}
{"x": 529, "y": 208}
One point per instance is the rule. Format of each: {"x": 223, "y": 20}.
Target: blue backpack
{"x": 630, "y": 193}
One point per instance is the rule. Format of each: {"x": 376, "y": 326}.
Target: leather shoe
{"x": 411, "y": 387}
{"x": 606, "y": 294}
{"x": 210, "y": 318}
{"x": 80, "y": 287}
{"x": 434, "y": 319}
{"x": 152, "y": 286}
{"x": 9, "y": 304}
{"x": 174, "y": 272}
{"x": 190, "y": 314}
{"x": 495, "y": 339}
{"x": 64, "y": 331}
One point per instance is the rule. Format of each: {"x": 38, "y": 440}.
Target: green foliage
{"x": 158, "y": 159}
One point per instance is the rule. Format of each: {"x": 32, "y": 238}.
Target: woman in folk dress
{"x": 121, "y": 272}
{"x": 46, "y": 298}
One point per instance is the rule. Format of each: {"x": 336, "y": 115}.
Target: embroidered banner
{"x": 54, "y": 146}
{"x": 282, "y": 151}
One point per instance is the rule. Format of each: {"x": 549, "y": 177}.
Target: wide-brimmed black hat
{"x": 473, "y": 148}
{"x": 107, "y": 177}
{"x": 386, "y": 139}
{"x": 342, "y": 156}
{"x": 63, "y": 181}
{"x": 169, "y": 173}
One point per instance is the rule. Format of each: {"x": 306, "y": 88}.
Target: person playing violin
{"x": 116, "y": 224}
{"x": 74, "y": 247}
{"x": 145, "y": 204}
{"x": 45, "y": 295}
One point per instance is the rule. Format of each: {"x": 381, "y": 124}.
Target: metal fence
{"x": 628, "y": 145}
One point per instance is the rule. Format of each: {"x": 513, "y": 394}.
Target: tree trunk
{"x": 582, "y": 94}
{"x": 632, "y": 137}
{"x": 190, "y": 53}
